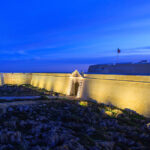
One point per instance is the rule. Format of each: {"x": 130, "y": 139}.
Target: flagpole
{"x": 118, "y": 52}
{"x": 117, "y": 58}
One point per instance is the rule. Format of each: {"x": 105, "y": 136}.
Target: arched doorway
{"x": 76, "y": 84}
{"x": 76, "y": 88}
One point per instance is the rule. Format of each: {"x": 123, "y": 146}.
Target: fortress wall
{"x": 1, "y": 79}
{"x": 124, "y": 91}
{"x": 17, "y": 78}
{"x": 139, "y": 68}
{"x": 58, "y": 82}
{"x": 121, "y": 90}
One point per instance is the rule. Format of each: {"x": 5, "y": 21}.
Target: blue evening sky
{"x": 63, "y": 35}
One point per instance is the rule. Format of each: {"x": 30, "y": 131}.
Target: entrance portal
{"x": 76, "y": 84}
{"x": 76, "y": 88}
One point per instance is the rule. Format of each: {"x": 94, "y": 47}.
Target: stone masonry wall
{"x": 17, "y": 78}
{"x": 125, "y": 91}
{"x": 58, "y": 82}
{"x": 120, "y": 90}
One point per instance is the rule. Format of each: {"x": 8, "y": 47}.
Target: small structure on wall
{"x": 76, "y": 84}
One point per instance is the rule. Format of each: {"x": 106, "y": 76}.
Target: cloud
{"x": 11, "y": 52}
{"x": 145, "y": 50}
{"x": 144, "y": 47}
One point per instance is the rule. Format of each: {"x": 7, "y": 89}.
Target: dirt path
{"x": 29, "y": 102}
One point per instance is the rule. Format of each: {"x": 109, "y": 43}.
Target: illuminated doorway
{"x": 76, "y": 84}
{"x": 76, "y": 87}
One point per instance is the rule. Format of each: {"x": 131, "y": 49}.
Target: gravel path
{"x": 29, "y": 101}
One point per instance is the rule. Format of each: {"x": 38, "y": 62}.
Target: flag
{"x": 118, "y": 50}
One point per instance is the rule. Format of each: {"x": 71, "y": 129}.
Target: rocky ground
{"x": 72, "y": 125}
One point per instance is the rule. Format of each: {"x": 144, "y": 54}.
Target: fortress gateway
{"x": 125, "y": 91}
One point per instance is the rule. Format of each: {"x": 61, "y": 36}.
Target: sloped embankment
{"x": 72, "y": 125}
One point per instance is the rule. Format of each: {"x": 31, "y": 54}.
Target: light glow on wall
{"x": 52, "y": 82}
{"x": 121, "y": 90}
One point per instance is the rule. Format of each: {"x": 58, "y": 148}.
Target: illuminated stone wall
{"x": 1, "y": 79}
{"x": 17, "y": 78}
{"x": 58, "y": 82}
{"x": 121, "y": 90}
